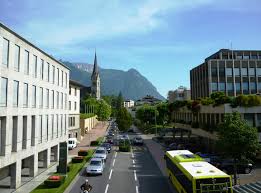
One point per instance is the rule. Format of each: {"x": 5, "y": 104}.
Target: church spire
{"x": 95, "y": 67}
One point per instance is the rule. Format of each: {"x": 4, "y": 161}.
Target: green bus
{"x": 189, "y": 173}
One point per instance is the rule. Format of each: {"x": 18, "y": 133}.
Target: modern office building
{"x": 232, "y": 71}
{"x": 34, "y": 89}
{"x": 180, "y": 94}
{"x": 74, "y": 130}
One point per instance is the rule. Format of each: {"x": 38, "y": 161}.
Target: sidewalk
{"x": 98, "y": 131}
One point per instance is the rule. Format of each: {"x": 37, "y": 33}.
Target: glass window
{"x": 34, "y": 70}
{"x": 57, "y": 100}
{"x": 65, "y": 101}
{"x": 258, "y": 71}
{"x": 34, "y": 96}
{"x": 230, "y": 86}
{"x": 237, "y": 71}
{"x": 214, "y": 71}
{"x": 238, "y": 86}
{"x": 15, "y": 93}
{"x": 52, "y": 99}
{"x": 244, "y": 71}
{"x": 26, "y": 62}
{"x": 41, "y": 128}
{"x": 62, "y": 77}
{"x": 259, "y": 87}
{"x": 214, "y": 86}
{"x": 25, "y": 101}
{"x": 70, "y": 105}
{"x": 58, "y": 76}
{"x": 252, "y": 72}
{"x": 245, "y": 86}
{"x": 75, "y": 106}
{"x": 239, "y": 57}
{"x": 253, "y": 57}
{"x": 229, "y": 71}
{"x": 65, "y": 80}
{"x": 17, "y": 58}
{"x": 53, "y": 74}
{"x": 47, "y": 98}
{"x": 48, "y": 72}
{"x": 221, "y": 71}
{"x": 62, "y": 101}
{"x": 42, "y": 69}
{"x": 5, "y": 52}
{"x": 246, "y": 57}
{"x": 222, "y": 86}
{"x": 3, "y": 92}
{"x": 41, "y": 97}
{"x": 252, "y": 86}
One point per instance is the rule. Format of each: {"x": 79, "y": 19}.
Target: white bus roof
{"x": 202, "y": 169}
{"x": 179, "y": 152}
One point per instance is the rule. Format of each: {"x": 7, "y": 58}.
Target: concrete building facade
{"x": 180, "y": 94}
{"x": 231, "y": 71}
{"x": 33, "y": 108}
{"x": 74, "y": 130}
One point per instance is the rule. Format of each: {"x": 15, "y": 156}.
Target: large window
{"x": 26, "y": 62}
{"x": 24, "y": 135}
{"x": 17, "y": 58}
{"x": 3, "y": 92}
{"x": 33, "y": 96}
{"x": 5, "y": 52}
{"x": 15, "y": 93}
{"x": 52, "y": 99}
{"x": 48, "y": 72}
{"x": 75, "y": 106}
{"x": 42, "y": 69}
{"x": 62, "y": 77}
{"x": 53, "y": 80}
{"x": 222, "y": 86}
{"x": 245, "y": 87}
{"x": 25, "y": 99}
{"x": 57, "y": 100}
{"x": 61, "y": 100}
{"x": 237, "y": 71}
{"x": 41, "y": 129}
{"x": 252, "y": 72}
{"x": 244, "y": 71}
{"x": 47, "y": 127}
{"x": 41, "y": 97}
{"x": 238, "y": 86}
{"x": 221, "y": 71}
{"x": 47, "y": 98}
{"x": 229, "y": 71}
{"x": 58, "y": 76}
{"x": 34, "y": 70}
{"x": 65, "y": 80}
{"x": 253, "y": 87}
{"x": 230, "y": 86}
{"x": 258, "y": 71}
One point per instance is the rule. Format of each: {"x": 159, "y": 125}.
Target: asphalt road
{"x": 132, "y": 172}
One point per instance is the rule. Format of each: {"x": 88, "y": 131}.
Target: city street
{"x": 132, "y": 172}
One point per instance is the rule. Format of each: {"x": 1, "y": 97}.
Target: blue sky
{"x": 163, "y": 39}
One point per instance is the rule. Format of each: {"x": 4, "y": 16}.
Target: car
{"x": 72, "y": 143}
{"x": 131, "y": 130}
{"x": 100, "y": 152}
{"x": 107, "y": 146}
{"x": 109, "y": 140}
{"x": 227, "y": 165}
{"x": 138, "y": 141}
{"x": 95, "y": 166}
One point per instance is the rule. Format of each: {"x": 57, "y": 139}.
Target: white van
{"x": 72, "y": 143}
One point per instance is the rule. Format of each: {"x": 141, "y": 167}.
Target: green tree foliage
{"x": 123, "y": 119}
{"x": 207, "y": 101}
{"x": 220, "y": 98}
{"x": 163, "y": 115}
{"x": 147, "y": 114}
{"x": 237, "y": 139}
{"x": 119, "y": 101}
{"x": 246, "y": 101}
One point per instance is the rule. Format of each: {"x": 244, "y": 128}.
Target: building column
{"x": 56, "y": 155}
{"x": 33, "y": 167}
{"x": 15, "y": 173}
{"x": 47, "y": 158}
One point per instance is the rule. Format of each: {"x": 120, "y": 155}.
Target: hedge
{"x": 77, "y": 159}
{"x": 125, "y": 148}
{"x": 50, "y": 183}
{"x": 86, "y": 115}
{"x": 82, "y": 153}
{"x": 68, "y": 168}
{"x": 97, "y": 142}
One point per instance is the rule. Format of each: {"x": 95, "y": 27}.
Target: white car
{"x": 72, "y": 143}
{"x": 95, "y": 166}
{"x": 101, "y": 153}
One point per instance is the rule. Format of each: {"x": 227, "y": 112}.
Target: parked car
{"x": 95, "y": 166}
{"x": 107, "y": 146}
{"x": 138, "y": 141}
{"x": 72, "y": 143}
{"x": 109, "y": 140}
{"x": 131, "y": 130}
{"x": 101, "y": 152}
{"x": 227, "y": 165}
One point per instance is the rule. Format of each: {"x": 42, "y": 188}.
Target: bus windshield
{"x": 213, "y": 185}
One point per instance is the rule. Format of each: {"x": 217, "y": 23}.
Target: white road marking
{"x": 115, "y": 154}
{"x": 106, "y": 189}
{"x": 133, "y": 161}
{"x": 137, "y": 189}
{"x": 132, "y": 155}
{"x": 110, "y": 174}
{"x": 135, "y": 175}
{"x": 113, "y": 162}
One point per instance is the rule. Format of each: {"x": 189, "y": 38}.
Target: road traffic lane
{"x": 97, "y": 182}
{"x": 122, "y": 178}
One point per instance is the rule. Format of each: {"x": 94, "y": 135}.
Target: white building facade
{"x": 74, "y": 130}
{"x": 129, "y": 103}
{"x": 34, "y": 89}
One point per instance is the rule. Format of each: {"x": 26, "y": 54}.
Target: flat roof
{"x": 31, "y": 44}
{"x": 202, "y": 169}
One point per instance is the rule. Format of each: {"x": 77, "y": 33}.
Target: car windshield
{"x": 95, "y": 163}
{"x": 138, "y": 138}
{"x": 70, "y": 142}
{"x": 100, "y": 151}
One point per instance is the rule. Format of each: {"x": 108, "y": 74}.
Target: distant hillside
{"x": 131, "y": 83}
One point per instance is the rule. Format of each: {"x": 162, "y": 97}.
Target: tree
{"x": 123, "y": 119}
{"x": 237, "y": 139}
{"x": 146, "y": 114}
{"x": 163, "y": 115}
{"x": 119, "y": 102}
{"x": 104, "y": 110}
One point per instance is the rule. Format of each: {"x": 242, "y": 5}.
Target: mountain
{"x": 131, "y": 83}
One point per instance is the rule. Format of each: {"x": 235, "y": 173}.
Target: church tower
{"x": 96, "y": 83}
